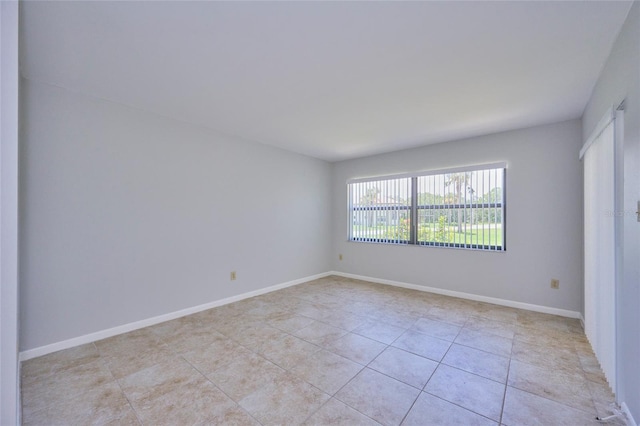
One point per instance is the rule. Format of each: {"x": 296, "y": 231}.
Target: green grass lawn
{"x": 478, "y": 235}
{"x": 481, "y": 234}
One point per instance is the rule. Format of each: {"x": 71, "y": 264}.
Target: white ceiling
{"x": 334, "y": 80}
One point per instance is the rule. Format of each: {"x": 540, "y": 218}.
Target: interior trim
{"x": 110, "y": 332}
{"x": 469, "y": 296}
{"x": 103, "y": 334}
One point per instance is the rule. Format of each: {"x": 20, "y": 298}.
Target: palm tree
{"x": 458, "y": 181}
{"x": 370, "y": 198}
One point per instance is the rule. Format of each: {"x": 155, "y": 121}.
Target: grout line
{"x": 117, "y": 381}
{"x": 219, "y": 388}
{"x": 460, "y": 406}
{"x": 504, "y": 395}
{"x": 389, "y": 304}
{"x": 411, "y": 408}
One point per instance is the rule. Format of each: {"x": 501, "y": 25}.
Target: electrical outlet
{"x": 555, "y": 283}
{"x": 233, "y": 275}
{"x": 340, "y": 256}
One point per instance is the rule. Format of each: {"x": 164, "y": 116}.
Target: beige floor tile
{"x": 404, "y": 366}
{"x": 452, "y": 316}
{"x": 128, "y": 419}
{"x": 490, "y": 326}
{"x": 336, "y": 413}
{"x": 496, "y": 312}
{"x": 597, "y": 377}
{"x": 197, "y": 337}
{"x": 142, "y": 340}
{"x": 478, "y": 362}
{"x": 284, "y": 401}
{"x": 545, "y": 321}
{"x": 326, "y": 371}
{"x": 379, "y": 331}
{"x": 218, "y": 354}
{"x": 475, "y": 393}
{"x": 308, "y": 309}
{"x": 569, "y": 389}
{"x": 582, "y": 346}
{"x": 380, "y": 397}
{"x": 344, "y": 320}
{"x": 395, "y": 318}
{"x": 194, "y": 403}
{"x": 267, "y": 310}
{"x": 431, "y": 410}
{"x": 290, "y": 322}
{"x": 157, "y": 380}
{"x": 486, "y": 342}
{"x": 423, "y": 345}
{"x": 247, "y": 305}
{"x": 589, "y": 363}
{"x": 64, "y": 385}
{"x": 556, "y": 346}
{"x": 524, "y": 409}
{"x": 167, "y": 370}
{"x": 361, "y": 306}
{"x": 44, "y": 366}
{"x": 224, "y": 311}
{"x": 591, "y": 368}
{"x": 557, "y": 359}
{"x": 315, "y": 296}
{"x": 179, "y": 325}
{"x": 244, "y": 375}
{"x": 439, "y": 329}
{"x": 124, "y": 364}
{"x": 289, "y": 351}
{"x": 232, "y": 325}
{"x": 601, "y": 392}
{"x": 545, "y": 337}
{"x": 97, "y": 405}
{"x": 274, "y": 298}
{"x": 319, "y": 333}
{"x": 256, "y": 336}
{"x": 356, "y": 348}
{"x": 413, "y": 309}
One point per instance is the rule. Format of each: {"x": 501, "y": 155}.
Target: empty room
{"x": 320, "y": 213}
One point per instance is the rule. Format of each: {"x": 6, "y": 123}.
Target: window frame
{"x": 414, "y": 208}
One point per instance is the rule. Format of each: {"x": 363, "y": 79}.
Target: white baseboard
{"x": 469, "y": 296}
{"x": 630, "y": 419}
{"x": 103, "y": 334}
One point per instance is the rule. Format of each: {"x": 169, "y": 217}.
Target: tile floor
{"x": 334, "y": 351}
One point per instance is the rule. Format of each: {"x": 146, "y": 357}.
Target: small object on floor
{"x": 617, "y": 413}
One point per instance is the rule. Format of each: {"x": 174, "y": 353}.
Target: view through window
{"x": 462, "y": 208}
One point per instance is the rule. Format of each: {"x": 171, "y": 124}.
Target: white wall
{"x": 127, "y": 215}
{"x": 620, "y": 79}
{"x": 9, "y": 81}
{"x": 544, "y": 220}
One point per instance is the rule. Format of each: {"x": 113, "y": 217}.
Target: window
{"x": 462, "y": 208}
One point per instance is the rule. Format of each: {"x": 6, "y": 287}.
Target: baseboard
{"x": 581, "y": 318}
{"x": 103, "y": 334}
{"x": 630, "y": 419}
{"x": 469, "y": 296}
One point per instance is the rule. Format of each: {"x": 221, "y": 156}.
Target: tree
{"x": 427, "y": 199}
{"x": 370, "y": 198}
{"x": 442, "y": 234}
{"x": 492, "y": 214}
{"x": 458, "y": 181}
{"x": 471, "y": 197}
